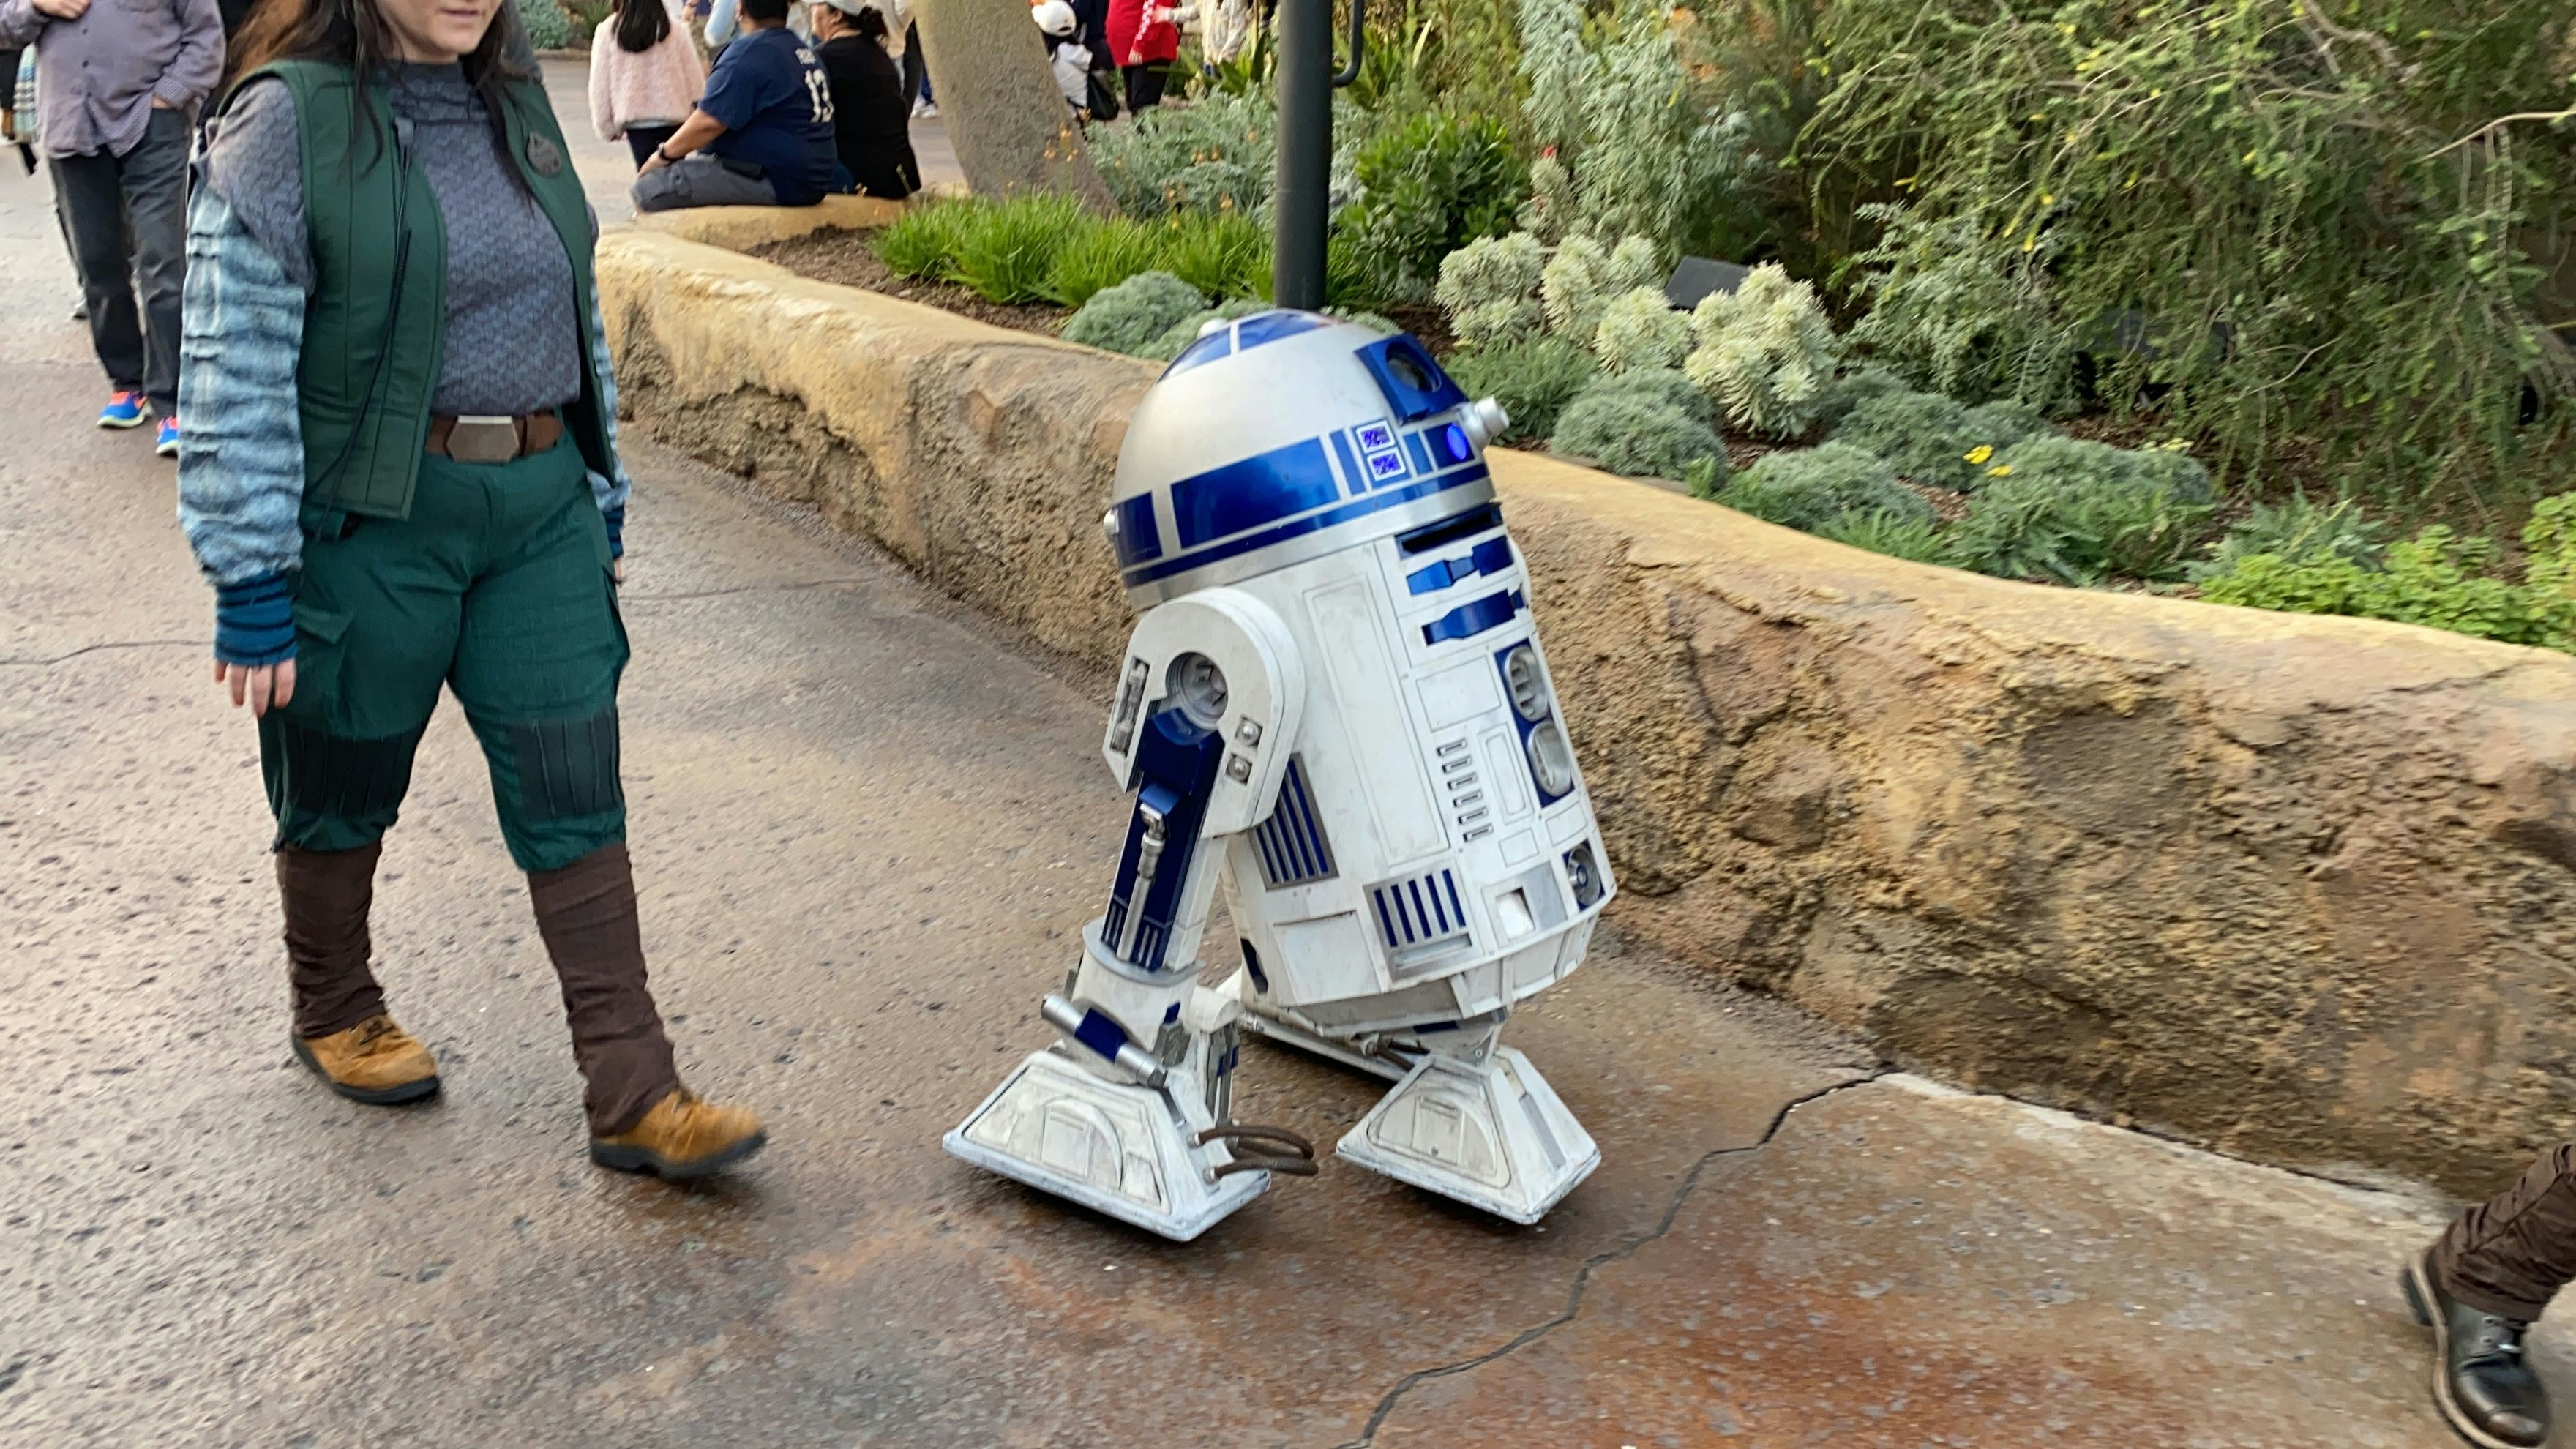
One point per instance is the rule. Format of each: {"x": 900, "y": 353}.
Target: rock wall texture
{"x": 2299, "y": 889}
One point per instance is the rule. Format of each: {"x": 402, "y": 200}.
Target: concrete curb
{"x": 2300, "y": 889}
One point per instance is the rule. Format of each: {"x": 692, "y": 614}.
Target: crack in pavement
{"x": 95, "y": 648}
{"x": 1386, "y": 1405}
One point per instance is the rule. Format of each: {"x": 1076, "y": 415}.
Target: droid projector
{"x": 1335, "y": 709}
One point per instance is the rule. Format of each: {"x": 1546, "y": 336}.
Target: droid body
{"x": 1336, "y": 710}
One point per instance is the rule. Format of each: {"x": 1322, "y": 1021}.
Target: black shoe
{"x": 2481, "y": 1381}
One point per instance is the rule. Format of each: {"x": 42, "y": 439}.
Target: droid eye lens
{"x": 1454, "y": 441}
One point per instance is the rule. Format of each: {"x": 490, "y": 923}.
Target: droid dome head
{"x": 1284, "y": 437}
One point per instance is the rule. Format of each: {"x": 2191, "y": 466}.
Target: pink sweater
{"x": 659, "y": 87}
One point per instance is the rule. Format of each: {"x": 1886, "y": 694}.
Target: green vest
{"x": 375, "y": 327}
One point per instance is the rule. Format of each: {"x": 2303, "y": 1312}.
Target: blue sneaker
{"x": 166, "y": 441}
{"x": 124, "y": 410}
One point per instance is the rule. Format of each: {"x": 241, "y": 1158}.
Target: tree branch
{"x": 2501, "y": 122}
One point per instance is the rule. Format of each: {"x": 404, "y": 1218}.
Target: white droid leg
{"x": 1469, "y": 1119}
{"x": 1117, "y": 1127}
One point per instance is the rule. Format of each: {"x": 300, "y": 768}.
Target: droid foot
{"x": 1119, "y": 1148}
{"x": 1489, "y": 1133}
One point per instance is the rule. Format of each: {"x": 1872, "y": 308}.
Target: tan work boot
{"x": 682, "y": 1137}
{"x": 375, "y": 1062}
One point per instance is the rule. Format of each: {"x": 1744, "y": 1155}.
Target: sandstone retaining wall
{"x": 2300, "y": 889}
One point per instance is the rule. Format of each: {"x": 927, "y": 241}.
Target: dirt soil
{"x": 849, "y": 259}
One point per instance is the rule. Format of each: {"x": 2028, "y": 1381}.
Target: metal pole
{"x": 1305, "y": 152}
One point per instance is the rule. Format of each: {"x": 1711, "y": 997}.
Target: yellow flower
{"x": 2000, "y": 470}
{"x": 1979, "y": 453}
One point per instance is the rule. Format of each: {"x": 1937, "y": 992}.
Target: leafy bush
{"x": 2437, "y": 579}
{"x": 1486, "y": 286}
{"x": 1533, "y": 378}
{"x": 1426, "y": 188}
{"x": 1852, "y": 389}
{"x": 1807, "y": 488}
{"x": 923, "y": 241}
{"x": 1131, "y": 316}
{"x": 1897, "y": 535}
{"x": 1007, "y": 253}
{"x": 1221, "y": 154}
{"x": 1962, "y": 313}
{"x": 1186, "y": 331}
{"x": 2318, "y": 179}
{"x": 2006, "y": 421}
{"x": 2297, "y": 532}
{"x": 1579, "y": 281}
{"x": 1099, "y": 255}
{"x": 1222, "y": 255}
{"x": 1765, "y": 351}
{"x": 1631, "y": 425}
{"x": 1639, "y": 330}
{"x": 2078, "y": 512}
{"x": 1922, "y": 435}
{"x": 547, "y": 26}
{"x": 1635, "y": 147}
{"x": 1664, "y": 385}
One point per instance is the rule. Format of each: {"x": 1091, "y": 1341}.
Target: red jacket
{"x": 1134, "y": 37}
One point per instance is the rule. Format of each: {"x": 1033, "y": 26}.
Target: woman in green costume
{"x": 400, "y": 472}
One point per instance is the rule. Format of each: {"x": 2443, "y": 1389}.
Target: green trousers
{"x": 497, "y": 586}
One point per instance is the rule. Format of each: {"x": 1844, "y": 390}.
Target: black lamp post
{"x": 1303, "y": 210}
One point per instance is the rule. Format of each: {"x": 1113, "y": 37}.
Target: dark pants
{"x": 1145, "y": 83}
{"x": 916, "y": 66}
{"x": 2510, "y": 1254}
{"x": 699, "y": 179}
{"x": 127, "y": 220}
{"x": 645, "y": 140}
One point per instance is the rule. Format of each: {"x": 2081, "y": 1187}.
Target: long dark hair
{"x": 641, "y": 25}
{"x": 353, "y": 33}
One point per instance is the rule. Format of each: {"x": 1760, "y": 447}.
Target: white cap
{"x": 1055, "y": 17}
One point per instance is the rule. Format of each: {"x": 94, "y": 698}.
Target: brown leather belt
{"x": 494, "y": 440}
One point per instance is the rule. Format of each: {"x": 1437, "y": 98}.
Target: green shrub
{"x": 1220, "y": 154}
{"x": 1487, "y": 289}
{"x": 1579, "y": 281}
{"x": 923, "y": 241}
{"x": 1807, "y": 488}
{"x": 2079, "y": 512}
{"x": 1006, "y": 252}
{"x": 1922, "y": 435}
{"x": 2436, "y": 578}
{"x": 1426, "y": 188}
{"x": 1963, "y": 313}
{"x": 1640, "y": 330}
{"x": 1186, "y": 331}
{"x": 1533, "y": 378}
{"x": 2297, "y": 532}
{"x": 2006, "y": 421}
{"x": 1852, "y": 389}
{"x": 1099, "y": 255}
{"x": 1131, "y": 316}
{"x": 1765, "y": 351}
{"x": 547, "y": 26}
{"x": 1635, "y": 427}
{"x": 1895, "y": 534}
{"x": 1222, "y": 255}
{"x": 1663, "y": 385}
{"x": 2368, "y": 196}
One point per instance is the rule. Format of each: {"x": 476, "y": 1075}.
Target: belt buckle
{"x": 483, "y": 440}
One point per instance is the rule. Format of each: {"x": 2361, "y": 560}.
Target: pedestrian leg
{"x": 2480, "y": 1286}
{"x": 155, "y": 176}
{"x": 89, "y": 200}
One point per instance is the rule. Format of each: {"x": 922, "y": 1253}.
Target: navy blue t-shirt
{"x": 776, "y": 105}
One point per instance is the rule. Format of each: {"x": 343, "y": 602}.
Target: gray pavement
{"x": 867, "y": 829}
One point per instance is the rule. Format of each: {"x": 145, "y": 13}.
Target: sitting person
{"x": 871, "y": 113}
{"x": 1066, "y": 54}
{"x": 762, "y": 133}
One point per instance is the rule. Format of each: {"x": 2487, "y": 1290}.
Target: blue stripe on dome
{"x": 1272, "y": 326}
{"x": 1261, "y": 489}
{"x": 1299, "y": 527}
{"x": 1219, "y": 343}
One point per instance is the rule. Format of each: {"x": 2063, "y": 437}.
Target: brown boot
{"x": 586, "y": 912}
{"x": 375, "y": 1062}
{"x": 682, "y": 1137}
{"x": 327, "y": 894}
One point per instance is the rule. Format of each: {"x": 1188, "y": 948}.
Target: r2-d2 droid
{"x": 1335, "y": 707}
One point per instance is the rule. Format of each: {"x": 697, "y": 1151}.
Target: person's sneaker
{"x": 682, "y": 1137}
{"x": 375, "y": 1062}
{"x": 166, "y": 441}
{"x": 124, "y": 410}
{"x": 924, "y": 111}
{"x": 2482, "y": 1382}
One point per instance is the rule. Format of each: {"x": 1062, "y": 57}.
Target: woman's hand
{"x": 264, "y": 686}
